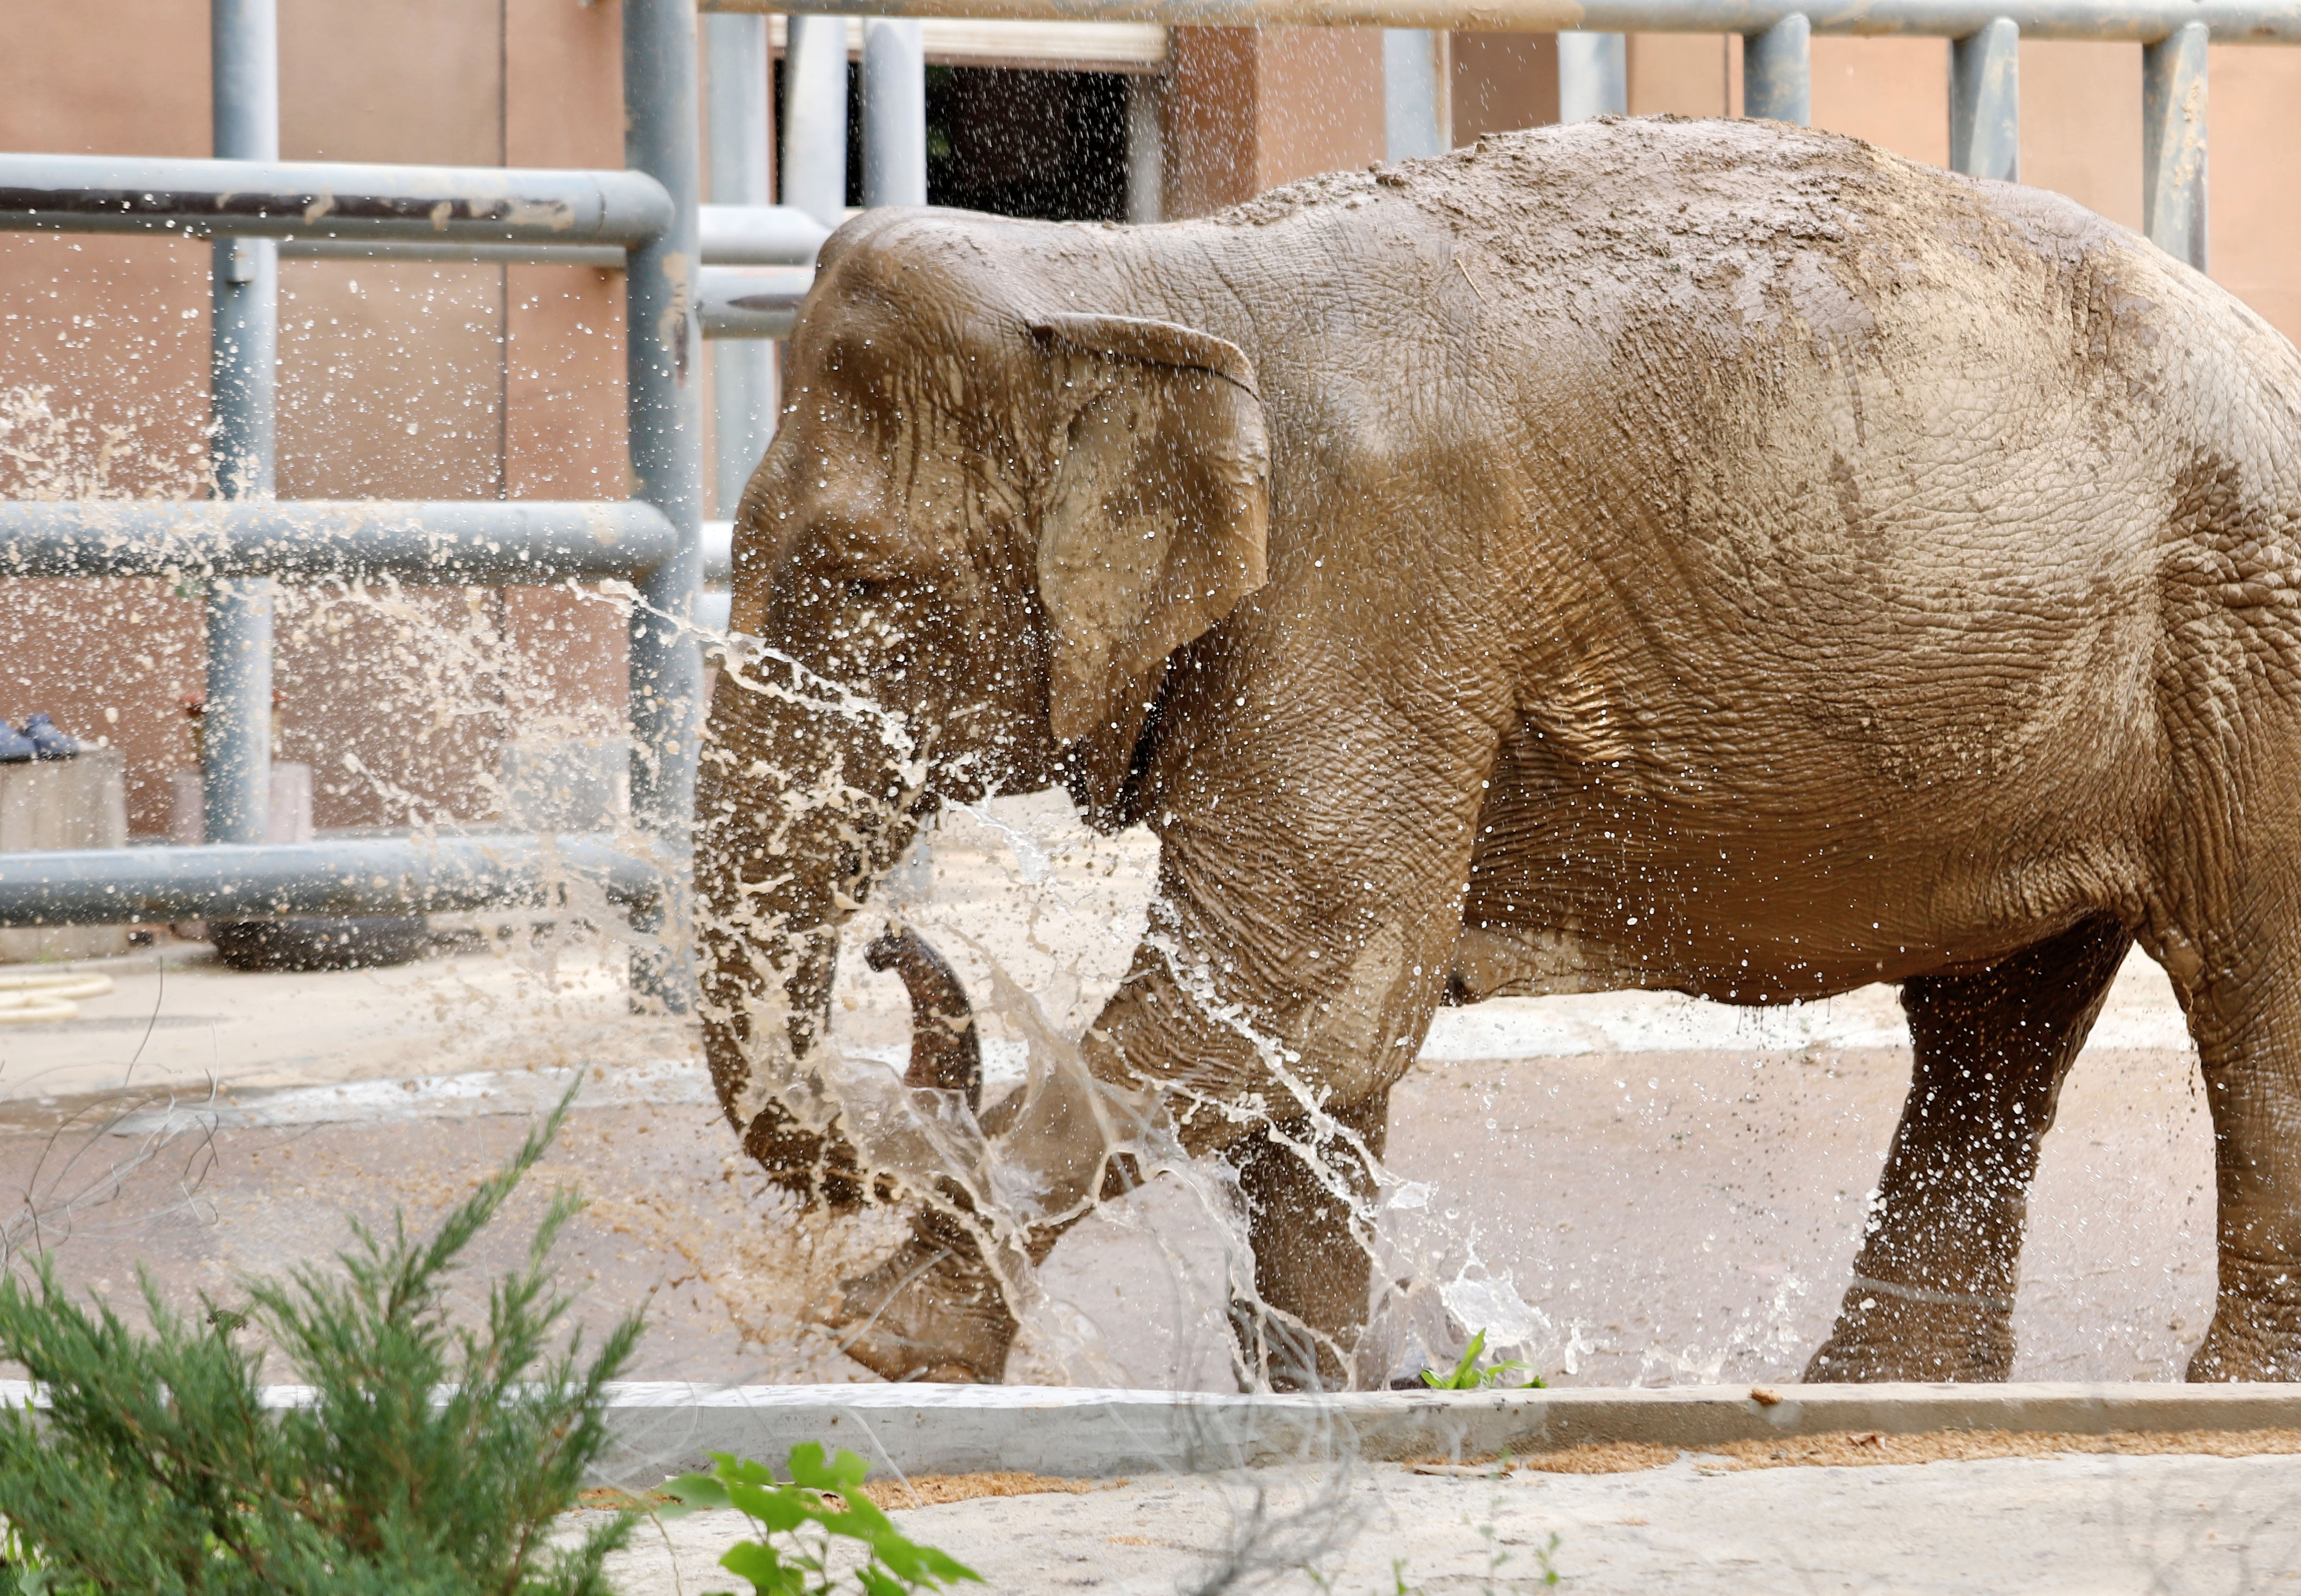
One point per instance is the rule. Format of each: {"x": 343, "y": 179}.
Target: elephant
{"x": 1712, "y": 556}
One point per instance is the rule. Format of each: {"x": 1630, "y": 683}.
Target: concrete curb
{"x": 661, "y": 1429}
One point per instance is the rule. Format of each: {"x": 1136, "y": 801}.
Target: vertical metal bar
{"x": 243, "y": 357}
{"x": 894, "y": 112}
{"x": 1778, "y": 73}
{"x": 1594, "y": 76}
{"x": 741, "y": 134}
{"x": 665, "y": 424}
{"x": 2173, "y": 211}
{"x": 1146, "y": 151}
{"x": 815, "y": 117}
{"x": 1417, "y": 113}
{"x": 1985, "y": 102}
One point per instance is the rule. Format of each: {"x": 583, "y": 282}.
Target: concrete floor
{"x": 1631, "y": 1188}
{"x": 2086, "y": 1525}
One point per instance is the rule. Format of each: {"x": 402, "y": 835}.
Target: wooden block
{"x": 57, "y": 804}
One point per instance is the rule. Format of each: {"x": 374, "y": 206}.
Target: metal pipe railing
{"x": 815, "y": 119}
{"x": 894, "y": 81}
{"x": 262, "y": 197}
{"x": 362, "y": 875}
{"x": 2173, "y": 143}
{"x": 251, "y": 203}
{"x": 243, "y": 365}
{"x": 2139, "y": 21}
{"x": 1778, "y": 72}
{"x": 1985, "y": 102}
{"x": 1416, "y": 114}
{"x": 429, "y": 542}
{"x": 1594, "y": 76}
{"x": 663, "y": 382}
{"x": 739, "y": 134}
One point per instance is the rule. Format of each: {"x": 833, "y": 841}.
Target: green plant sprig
{"x": 784, "y": 1560}
{"x": 1467, "y": 1375}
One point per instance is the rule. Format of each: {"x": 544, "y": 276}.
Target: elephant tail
{"x": 946, "y": 1052}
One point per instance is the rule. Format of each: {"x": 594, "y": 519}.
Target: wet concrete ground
{"x": 1658, "y": 1190}
{"x": 2096, "y": 1525}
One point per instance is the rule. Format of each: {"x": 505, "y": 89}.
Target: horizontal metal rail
{"x": 750, "y": 301}
{"x": 733, "y": 236}
{"x": 2230, "y": 22}
{"x": 760, "y": 235}
{"x": 438, "y": 542}
{"x": 316, "y": 199}
{"x": 377, "y": 876}
{"x": 600, "y": 257}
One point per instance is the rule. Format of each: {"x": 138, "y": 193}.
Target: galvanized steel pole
{"x": 1415, "y": 115}
{"x": 1985, "y": 102}
{"x": 2173, "y": 209}
{"x": 665, "y": 422}
{"x": 894, "y": 112}
{"x": 1778, "y": 73}
{"x": 1146, "y": 153}
{"x": 243, "y": 350}
{"x": 814, "y": 118}
{"x": 1594, "y": 76}
{"x": 742, "y": 132}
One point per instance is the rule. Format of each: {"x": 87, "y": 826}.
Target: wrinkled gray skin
{"x": 1710, "y": 556}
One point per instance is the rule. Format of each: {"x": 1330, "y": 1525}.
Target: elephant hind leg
{"x": 2242, "y": 989}
{"x": 1932, "y": 1297}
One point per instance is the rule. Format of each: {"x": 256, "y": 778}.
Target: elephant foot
{"x": 2253, "y": 1336}
{"x": 932, "y": 1312}
{"x": 821, "y": 1169}
{"x": 1886, "y": 1332}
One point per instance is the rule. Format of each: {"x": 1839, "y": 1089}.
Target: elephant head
{"x": 994, "y": 508}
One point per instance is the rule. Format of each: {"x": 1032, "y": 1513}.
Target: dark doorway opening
{"x": 1009, "y": 141}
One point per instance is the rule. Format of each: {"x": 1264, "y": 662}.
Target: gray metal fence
{"x": 751, "y": 263}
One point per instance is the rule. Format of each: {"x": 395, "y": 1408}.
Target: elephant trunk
{"x": 946, "y": 1052}
{"x": 803, "y": 801}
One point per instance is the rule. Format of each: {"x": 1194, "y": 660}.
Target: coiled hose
{"x": 37, "y": 999}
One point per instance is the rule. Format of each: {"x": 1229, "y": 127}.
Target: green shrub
{"x": 797, "y": 1525}
{"x": 433, "y": 1458}
{"x": 1467, "y": 1375}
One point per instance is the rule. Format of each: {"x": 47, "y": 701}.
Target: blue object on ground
{"x": 47, "y": 742}
{"x": 15, "y": 747}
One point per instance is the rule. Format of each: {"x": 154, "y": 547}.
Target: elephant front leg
{"x": 1932, "y": 1297}
{"x": 1310, "y": 1227}
{"x": 1238, "y": 1032}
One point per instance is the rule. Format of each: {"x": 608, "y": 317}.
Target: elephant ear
{"x": 1155, "y": 524}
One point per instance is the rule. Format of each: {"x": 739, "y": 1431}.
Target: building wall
{"x": 1247, "y": 109}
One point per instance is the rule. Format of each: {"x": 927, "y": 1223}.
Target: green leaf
{"x": 693, "y": 1494}
{"x": 759, "y": 1563}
